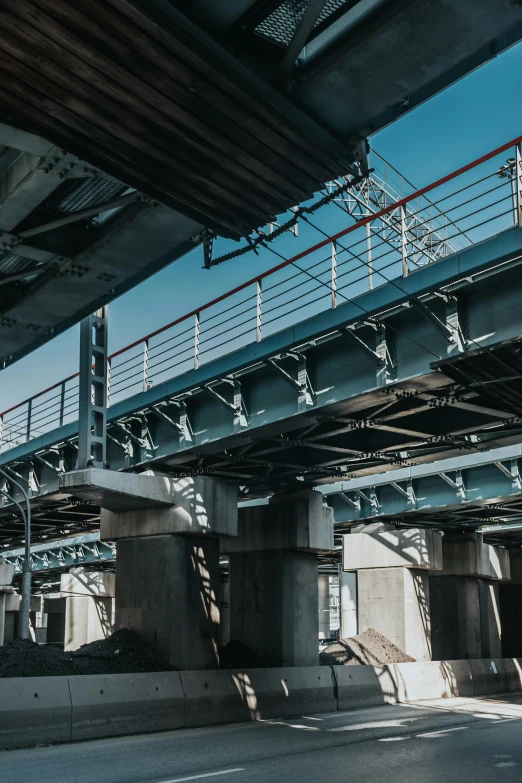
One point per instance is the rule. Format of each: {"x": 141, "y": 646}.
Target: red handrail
{"x": 302, "y": 254}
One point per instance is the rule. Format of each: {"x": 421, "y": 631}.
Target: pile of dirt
{"x": 124, "y": 652}
{"x": 235, "y": 655}
{"x": 369, "y": 648}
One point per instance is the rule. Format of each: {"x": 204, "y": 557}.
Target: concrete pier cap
{"x": 466, "y": 554}
{"x": 383, "y": 546}
{"x": 148, "y": 504}
{"x": 298, "y": 521}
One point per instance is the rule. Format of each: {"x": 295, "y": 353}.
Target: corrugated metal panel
{"x": 139, "y": 91}
{"x": 10, "y": 263}
{"x": 91, "y": 191}
{"x": 282, "y": 23}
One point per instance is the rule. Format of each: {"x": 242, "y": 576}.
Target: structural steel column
{"x": 92, "y": 423}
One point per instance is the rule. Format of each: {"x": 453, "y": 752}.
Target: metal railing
{"x": 392, "y": 237}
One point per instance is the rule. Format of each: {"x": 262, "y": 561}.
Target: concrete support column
{"x": 89, "y": 606}
{"x": 392, "y": 583}
{"x": 167, "y": 589}
{"x": 465, "y": 605}
{"x": 510, "y": 599}
{"x": 274, "y": 581}
{"x": 6, "y": 577}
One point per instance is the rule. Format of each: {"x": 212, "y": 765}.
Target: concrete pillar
{"x": 390, "y": 591}
{"x": 395, "y": 602}
{"x": 6, "y": 577}
{"x": 348, "y": 598}
{"x": 273, "y": 578}
{"x": 12, "y": 615}
{"x": 510, "y": 598}
{"x": 167, "y": 589}
{"x": 88, "y": 609}
{"x": 55, "y": 608}
{"x": 324, "y": 606}
{"x": 465, "y": 606}
{"x": 167, "y": 536}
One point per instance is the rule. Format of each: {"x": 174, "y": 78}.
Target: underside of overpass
{"x": 116, "y": 156}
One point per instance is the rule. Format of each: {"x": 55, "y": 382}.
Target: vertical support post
{"x": 196, "y": 341}
{"x": 109, "y": 373}
{"x": 404, "y": 244}
{"x": 517, "y": 182}
{"x": 29, "y": 414}
{"x": 92, "y": 424}
{"x": 146, "y": 364}
{"x": 334, "y": 275}
{"x": 259, "y": 309}
{"x": 1, "y": 430}
{"x": 369, "y": 255}
{"x": 62, "y": 404}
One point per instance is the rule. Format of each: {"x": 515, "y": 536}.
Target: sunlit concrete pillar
{"x": 89, "y": 605}
{"x": 348, "y": 601}
{"x": 273, "y": 578}
{"x": 465, "y": 605}
{"x": 167, "y": 567}
{"x": 6, "y": 577}
{"x": 392, "y": 583}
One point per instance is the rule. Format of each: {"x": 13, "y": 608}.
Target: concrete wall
{"x": 324, "y": 606}
{"x": 396, "y": 602}
{"x": 41, "y": 710}
{"x": 510, "y": 596}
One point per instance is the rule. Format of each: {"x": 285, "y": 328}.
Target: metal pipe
{"x": 26, "y": 570}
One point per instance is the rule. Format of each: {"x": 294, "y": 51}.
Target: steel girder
{"x": 307, "y": 405}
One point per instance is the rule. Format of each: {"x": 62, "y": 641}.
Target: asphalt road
{"x": 460, "y": 740}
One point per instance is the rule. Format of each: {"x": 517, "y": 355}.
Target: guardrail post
{"x": 369, "y": 254}
{"x": 28, "y": 427}
{"x": 145, "y": 364}
{"x": 259, "y": 309}
{"x": 334, "y": 275}
{"x": 517, "y": 181}
{"x": 196, "y": 341}
{"x": 404, "y": 244}
{"x": 62, "y": 403}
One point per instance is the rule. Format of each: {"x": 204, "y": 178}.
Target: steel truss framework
{"x": 330, "y": 398}
{"x": 481, "y": 491}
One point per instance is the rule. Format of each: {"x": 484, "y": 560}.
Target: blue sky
{"x": 473, "y": 116}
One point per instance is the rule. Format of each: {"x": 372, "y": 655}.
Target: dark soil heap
{"x": 369, "y": 648}
{"x": 235, "y": 655}
{"x": 124, "y": 652}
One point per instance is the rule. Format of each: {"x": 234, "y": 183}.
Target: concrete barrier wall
{"x": 42, "y": 710}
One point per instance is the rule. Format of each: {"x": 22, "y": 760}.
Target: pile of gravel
{"x": 124, "y": 652}
{"x": 235, "y": 655}
{"x": 369, "y": 648}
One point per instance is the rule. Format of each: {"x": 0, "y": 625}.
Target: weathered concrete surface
{"x": 466, "y": 554}
{"x": 111, "y": 705}
{"x": 382, "y": 546}
{"x": 34, "y": 711}
{"x": 89, "y": 606}
{"x": 396, "y": 602}
{"x": 274, "y": 606}
{"x": 200, "y": 506}
{"x": 226, "y": 696}
{"x": 167, "y": 590}
{"x": 299, "y": 521}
